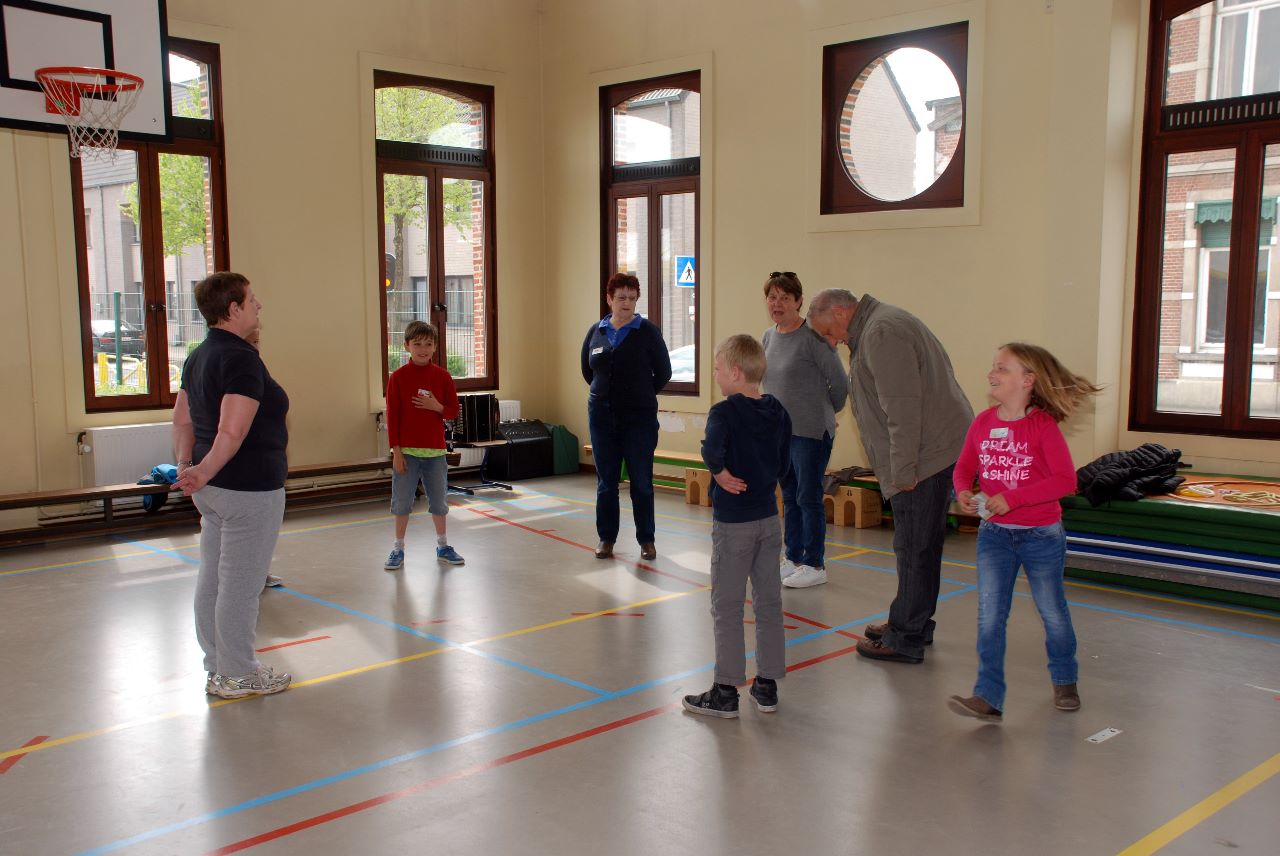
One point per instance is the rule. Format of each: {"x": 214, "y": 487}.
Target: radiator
{"x": 509, "y": 411}
{"x": 122, "y": 454}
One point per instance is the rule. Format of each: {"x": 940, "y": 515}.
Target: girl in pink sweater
{"x": 1018, "y": 456}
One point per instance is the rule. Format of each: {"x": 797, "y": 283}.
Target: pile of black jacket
{"x": 1144, "y": 471}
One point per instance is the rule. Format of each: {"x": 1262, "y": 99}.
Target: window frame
{"x": 841, "y": 65}
{"x": 187, "y": 136}
{"x": 1176, "y": 129}
{"x": 650, "y": 180}
{"x": 436, "y": 164}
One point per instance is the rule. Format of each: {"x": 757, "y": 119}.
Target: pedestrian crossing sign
{"x": 686, "y": 271}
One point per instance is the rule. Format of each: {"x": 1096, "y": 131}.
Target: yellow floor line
{"x": 1174, "y": 600}
{"x": 1204, "y": 809}
{"x": 85, "y": 735}
{"x": 848, "y": 555}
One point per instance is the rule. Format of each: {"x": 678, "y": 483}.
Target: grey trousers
{"x": 740, "y": 551}
{"x": 238, "y": 531}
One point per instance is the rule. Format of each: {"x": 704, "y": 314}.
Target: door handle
{"x": 439, "y": 307}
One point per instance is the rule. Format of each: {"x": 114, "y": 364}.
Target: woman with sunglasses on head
{"x": 625, "y": 360}
{"x": 805, "y": 374}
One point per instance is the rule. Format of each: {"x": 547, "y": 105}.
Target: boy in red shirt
{"x": 420, "y": 398}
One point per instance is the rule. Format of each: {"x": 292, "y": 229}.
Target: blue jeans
{"x": 1041, "y": 551}
{"x": 434, "y": 475}
{"x": 919, "y": 528}
{"x": 628, "y": 436}
{"x": 805, "y": 521}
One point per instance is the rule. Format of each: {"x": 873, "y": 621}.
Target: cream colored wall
{"x": 1048, "y": 257}
{"x": 302, "y": 217}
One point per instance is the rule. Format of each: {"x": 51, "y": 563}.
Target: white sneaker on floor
{"x": 805, "y": 576}
{"x": 787, "y": 568}
{"x": 273, "y": 581}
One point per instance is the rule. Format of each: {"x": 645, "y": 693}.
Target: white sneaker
{"x": 805, "y": 576}
{"x": 787, "y": 568}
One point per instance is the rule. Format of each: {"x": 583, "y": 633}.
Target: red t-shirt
{"x": 1026, "y": 460}
{"x": 412, "y": 426}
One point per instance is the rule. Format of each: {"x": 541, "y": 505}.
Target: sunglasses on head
{"x": 778, "y": 273}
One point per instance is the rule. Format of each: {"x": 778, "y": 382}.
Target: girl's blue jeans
{"x": 1041, "y": 552}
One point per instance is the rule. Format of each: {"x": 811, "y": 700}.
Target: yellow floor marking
{"x": 1204, "y": 809}
{"x": 85, "y": 735}
{"x": 849, "y": 555}
{"x": 1174, "y": 600}
{"x": 78, "y": 562}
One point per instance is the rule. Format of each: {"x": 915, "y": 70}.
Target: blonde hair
{"x": 1056, "y": 390}
{"x": 744, "y": 353}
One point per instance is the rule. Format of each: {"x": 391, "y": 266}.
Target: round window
{"x": 901, "y": 124}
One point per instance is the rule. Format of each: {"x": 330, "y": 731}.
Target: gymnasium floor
{"x": 528, "y": 703}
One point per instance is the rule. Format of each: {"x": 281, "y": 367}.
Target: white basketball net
{"x": 93, "y": 102}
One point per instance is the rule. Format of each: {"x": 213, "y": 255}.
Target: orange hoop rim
{"x": 131, "y": 81}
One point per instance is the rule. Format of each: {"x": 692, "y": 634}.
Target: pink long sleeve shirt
{"x": 1026, "y": 460}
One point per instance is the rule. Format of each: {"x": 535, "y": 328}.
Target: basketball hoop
{"x": 93, "y": 101}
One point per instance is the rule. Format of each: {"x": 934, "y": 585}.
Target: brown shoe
{"x": 875, "y": 631}
{"x": 604, "y": 550}
{"x": 875, "y": 649}
{"x": 1066, "y": 697}
{"x": 649, "y": 551}
{"x": 975, "y": 707}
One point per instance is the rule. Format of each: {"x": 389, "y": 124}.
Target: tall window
{"x": 650, "y": 131}
{"x": 154, "y": 225}
{"x": 1207, "y": 314}
{"x": 435, "y": 198}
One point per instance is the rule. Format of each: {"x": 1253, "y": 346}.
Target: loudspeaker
{"x": 527, "y": 454}
{"x": 477, "y": 420}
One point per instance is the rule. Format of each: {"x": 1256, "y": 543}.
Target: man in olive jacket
{"x": 913, "y": 417}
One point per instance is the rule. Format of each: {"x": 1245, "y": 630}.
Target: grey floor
{"x": 491, "y": 708}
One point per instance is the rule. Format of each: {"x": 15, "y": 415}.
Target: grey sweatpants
{"x": 238, "y": 531}
{"x": 739, "y": 551}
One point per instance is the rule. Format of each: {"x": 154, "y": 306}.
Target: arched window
{"x": 1207, "y": 306}
{"x": 651, "y": 131}
{"x": 435, "y": 200}
{"x": 154, "y": 226}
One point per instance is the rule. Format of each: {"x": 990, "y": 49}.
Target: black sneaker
{"x": 765, "y": 693}
{"x": 721, "y": 700}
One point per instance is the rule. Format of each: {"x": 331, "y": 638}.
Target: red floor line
{"x": 8, "y": 763}
{"x": 467, "y": 772}
{"x": 819, "y": 625}
{"x": 547, "y": 534}
{"x": 784, "y": 627}
{"x": 287, "y": 644}
{"x": 621, "y": 614}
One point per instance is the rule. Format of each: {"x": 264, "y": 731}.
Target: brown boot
{"x": 975, "y": 707}
{"x": 649, "y": 551}
{"x": 1066, "y": 697}
{"x": 604, "y": 550}
{"x": 875, "y": 631}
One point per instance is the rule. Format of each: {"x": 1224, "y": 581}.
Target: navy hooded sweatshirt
{"x": 751, "y": 437}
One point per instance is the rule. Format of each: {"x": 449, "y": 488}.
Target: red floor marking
{"x": 784, "y": 627}
{"x": 623, "y": 614}
{"x": 547, "y": 534}
{"x": 7, "y": 763}
{"x": 428, "y": 621}
{"x": 287, "y": 644}
{"x": 819, "y": 625}
{"x": 483, "y": 767}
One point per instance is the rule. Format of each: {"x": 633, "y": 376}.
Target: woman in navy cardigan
{"x": 626, "y": 362}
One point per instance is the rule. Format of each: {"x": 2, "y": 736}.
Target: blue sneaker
{"x": 395, "y": 561}
{"x": 449, "y": 556}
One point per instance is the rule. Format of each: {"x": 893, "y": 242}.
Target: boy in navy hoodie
{"x": 747, "y": 448}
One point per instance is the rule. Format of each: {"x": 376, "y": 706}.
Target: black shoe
{"x": 604, "y": 550}
{"x": 765, "y": 693}
{"x": 721, "y": 700}
{"x": 877, "y": 650}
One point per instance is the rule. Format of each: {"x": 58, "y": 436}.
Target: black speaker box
{"x": 477, "y": 420}
{"x": 527, "y": 454}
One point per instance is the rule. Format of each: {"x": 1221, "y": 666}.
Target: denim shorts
{"x": 434, "y": 475}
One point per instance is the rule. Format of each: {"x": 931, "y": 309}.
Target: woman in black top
{"x": 626, "y": 362}
{"x": 229, "y": 435}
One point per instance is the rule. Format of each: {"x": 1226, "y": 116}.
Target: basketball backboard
{"x": 127, "y": 35}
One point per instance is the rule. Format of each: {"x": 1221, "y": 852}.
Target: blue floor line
{"x": 1162, "y": 620}
{"x": 174, "y": 554}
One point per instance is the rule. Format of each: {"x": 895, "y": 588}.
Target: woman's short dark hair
{"x": 622, "y": 280}
{"x": 787, "y": 282}
{"x": 217, "y": 291}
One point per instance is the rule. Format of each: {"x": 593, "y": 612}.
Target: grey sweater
{"x": 805, "y": 374}
{"x": 912, "y": 414}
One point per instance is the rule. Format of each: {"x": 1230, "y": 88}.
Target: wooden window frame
{"x": 676, "y": 176}
{"x": 431, "y": 163}
{"x": 841, "y": 65}
{"x": 195, "y": 137}
{"x": 1165, "y": 133}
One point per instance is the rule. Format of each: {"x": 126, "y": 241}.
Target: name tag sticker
{"x": 999, "y": 433}
{"x": 599, "y": 350}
